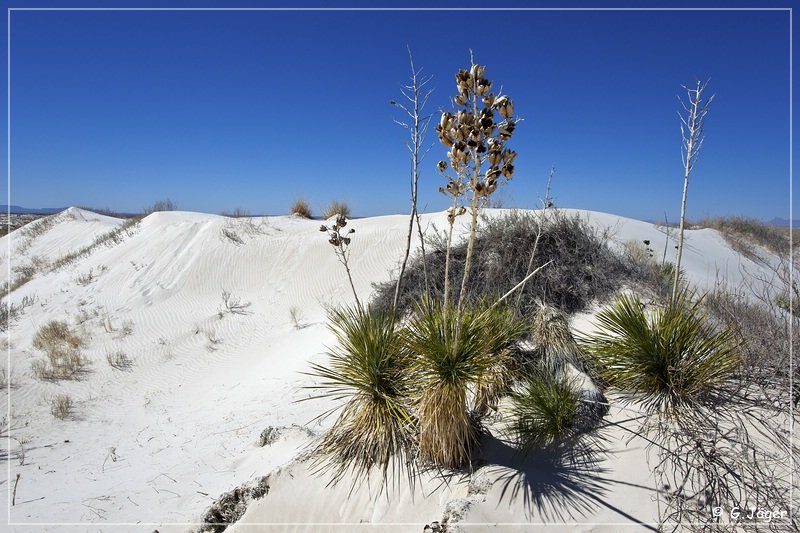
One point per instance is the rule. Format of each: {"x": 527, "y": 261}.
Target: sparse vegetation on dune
{"x": 336, "y": 208}
{"x": 745, "y": 235}
{"x": 160, "y": 205}
{"x": 301, "y": 208}
{"x": 63, "y": 347}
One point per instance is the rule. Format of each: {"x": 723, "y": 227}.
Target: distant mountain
{"x": 18, "y": 210}
{"x": 783, "y": 223}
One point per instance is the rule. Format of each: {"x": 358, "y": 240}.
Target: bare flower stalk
{"x": 547, "y": 203}
{"x": 340, "y": 243}
{"x": 692, "y": 134}
{"x": 417, "y": 96}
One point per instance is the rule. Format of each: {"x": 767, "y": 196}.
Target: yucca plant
{"x": 369, "y": 369}
{"x": 554, "y": 341}
{"x": 670, "y": 358}
{"x": 504, "y": 328}
{"x": 445, "y": 372}
{"x": 544, "y": 411}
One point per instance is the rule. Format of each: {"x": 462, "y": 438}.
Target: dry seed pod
{"x": 508, "y": 171}
{"x": 323, "y": 228}
{"x": 477, "y": 71}
{"x": 463, "y": 81}
{"x": 492, "y": 173}
{"x": 509, "y": 156}
{"x": 506, "y": 130}
{"x": 460, "y": 99}
{"x": 488, "y": 100}
{"x": 505, "y": 107}
{"x": 446, "y": 122}
{"x": 442, "y": 166}
{"x": 483, "y": 86}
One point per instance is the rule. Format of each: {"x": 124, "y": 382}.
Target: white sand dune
{"x": 155, "y": 444}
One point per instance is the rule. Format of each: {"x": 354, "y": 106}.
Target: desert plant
{"x": 417, "y": 96}
{"x": 61, "y": 406}
{"x": 447, "y": 366}
{"x": 744, "y": 234}
{"x": 85, "y": 279}
{"x": 544, "y": 411}
{"x": 584, "y": 268}
{"x": 672, "y": 359}
{"x": 62, "y": 345}
{"x": 335, "y": 209}
{"x": 504, "y": 328}
{"x": 119, "y": 360}
{"x": 160, "y": 205}
{"x": 476, "y": 139}
{"x": 301, "y": 208}
{"x": 553, "y": 337}
{"x": 369, "y": 370}
{"x": 547, "y": 203}
{"x": 341, "y": 247}
{"x": 233, "y": 304}
{"x": 692, "y": 134}
{"x": 232, "y": 236}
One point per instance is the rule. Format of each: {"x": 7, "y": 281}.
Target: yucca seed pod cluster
{"x": 475, "y": 135}
{"x": 335, "y": 236}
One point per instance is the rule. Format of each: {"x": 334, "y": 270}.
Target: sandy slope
{"x": 156, "y": 443}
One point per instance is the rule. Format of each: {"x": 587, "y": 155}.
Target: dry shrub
{"x": 161, "y": 205}
{"x": 301, "y": 208}
{"x": 61, "y": 406}
{"x": 583, "y": 270}
{"x": 336, "y": 208}
{"x": 62, "y": 345}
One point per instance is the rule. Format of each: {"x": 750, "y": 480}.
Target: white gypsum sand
{"x": 157, "y": 440}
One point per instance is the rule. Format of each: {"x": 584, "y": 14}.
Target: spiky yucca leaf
{"x": 544, "y": 410}
{"x": 671, "y": 358}
{"x": 369, "y": 369}
{"x": 551, "y": 332}
{"x": 505, "y": 329}
{"x": 446, "y": 434}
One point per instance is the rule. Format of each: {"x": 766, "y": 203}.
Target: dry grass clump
{"x": 61, "y": 406}
{"x": 301, "y": 208}
{"x": 62, "y": 345}
{"x": 119, "y": 360}
{"x": 744, "y": 234}
{"x": 336, "y": 208}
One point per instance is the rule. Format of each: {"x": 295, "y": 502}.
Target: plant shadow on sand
{"x": 561, "y": 483}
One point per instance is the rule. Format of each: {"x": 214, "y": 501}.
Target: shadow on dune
{"x": 563, "y": 483}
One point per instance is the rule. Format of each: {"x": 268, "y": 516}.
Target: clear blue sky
{"x": 218, "y": 110}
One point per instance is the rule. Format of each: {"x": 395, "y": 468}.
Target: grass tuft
{"x": 301, "y": 208}
{"x": 336, "y": 208}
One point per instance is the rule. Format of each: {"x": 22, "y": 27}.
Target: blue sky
{"x": 252, "y": 109}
